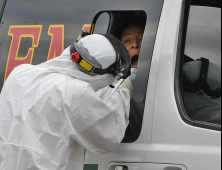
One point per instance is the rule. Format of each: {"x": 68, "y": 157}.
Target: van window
{"x": 203, "y": 99}
{"x": 201, "y": 67}
{"x": 129, "y": 27}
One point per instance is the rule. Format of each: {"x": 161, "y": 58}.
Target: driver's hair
{"x": 130, "y": 19}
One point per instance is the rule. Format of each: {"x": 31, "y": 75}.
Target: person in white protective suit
{"x": 50, "y": 113}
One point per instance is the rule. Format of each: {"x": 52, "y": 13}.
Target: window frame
{"x": 178, "y": 71}
{"x": 137, "y": 103}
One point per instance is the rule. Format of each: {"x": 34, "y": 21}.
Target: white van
{"x": 172, "y": 126}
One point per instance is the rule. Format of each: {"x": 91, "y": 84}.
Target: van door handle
{"x": 172, "y": 168}
{"x": 121, "y": 168}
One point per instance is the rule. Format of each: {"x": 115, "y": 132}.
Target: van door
{"x": 138, "y": 135}
{"x": 171, "y": 138}
{"x": 186, "y": 127}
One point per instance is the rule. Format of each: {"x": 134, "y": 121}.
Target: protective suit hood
{"x": 100, "y": 48}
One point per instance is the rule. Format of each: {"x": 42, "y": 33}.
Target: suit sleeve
{"x": 97, "y": 126}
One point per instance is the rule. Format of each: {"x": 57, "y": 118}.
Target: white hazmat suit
{"x": 50, "y": 113}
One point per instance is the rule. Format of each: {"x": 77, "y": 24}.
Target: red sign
{"x": 34, "y": 31}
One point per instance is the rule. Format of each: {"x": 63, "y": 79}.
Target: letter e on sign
{"x": 17, "y": 32}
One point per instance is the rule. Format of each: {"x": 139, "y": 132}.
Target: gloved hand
{"x": 132, "y": 77}
{"x": 129, "y": 82}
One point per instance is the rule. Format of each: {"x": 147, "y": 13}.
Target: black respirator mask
{"x": 89, "y": 65}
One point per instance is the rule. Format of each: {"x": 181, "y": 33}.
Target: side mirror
{"x": 101, "y": 23}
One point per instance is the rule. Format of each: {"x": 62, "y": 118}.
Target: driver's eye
{"x": 126, "y": 41}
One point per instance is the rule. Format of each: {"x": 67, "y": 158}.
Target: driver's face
{"x": 132, "y": 39}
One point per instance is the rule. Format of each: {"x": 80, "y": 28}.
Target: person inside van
{"x": 130, "y": 30}
{"x": 132, "y": 38}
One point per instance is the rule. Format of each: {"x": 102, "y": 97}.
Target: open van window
{"x": 128, "y": 27}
